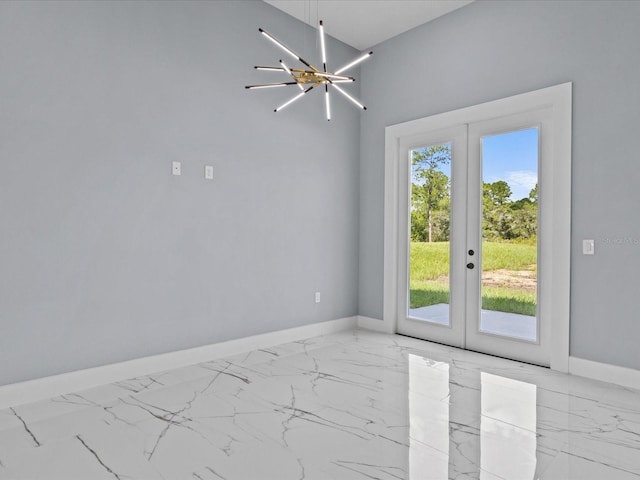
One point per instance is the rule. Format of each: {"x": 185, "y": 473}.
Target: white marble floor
{"x": 354, "y": 405}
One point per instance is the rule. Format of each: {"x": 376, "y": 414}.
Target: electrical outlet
{"x": 176, "y": 168}
{"x": 317, "y": 297}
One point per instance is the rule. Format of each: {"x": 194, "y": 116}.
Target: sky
{"x": 512, "y": 157}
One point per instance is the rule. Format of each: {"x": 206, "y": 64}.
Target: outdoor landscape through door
{"x": 508, "y": 255}
{"x": 478, "y": 205}
{"x": 496, "y": 278}
{"x": 430, "y": 220}
{"x": 509, "y": 234}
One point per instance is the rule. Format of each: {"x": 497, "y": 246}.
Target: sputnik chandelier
{"x": 311, "y": 77}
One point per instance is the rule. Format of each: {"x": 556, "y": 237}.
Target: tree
{"x": 526, "y": 215}
{"x": 504, "y": 219}
{"x": 497, "y": 193}
{"x": 431, "y": 185}
{"x": 496, "y": 218}
{"x": 440, "y": 218}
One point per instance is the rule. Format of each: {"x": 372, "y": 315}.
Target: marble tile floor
{"x": 352, "y": 405}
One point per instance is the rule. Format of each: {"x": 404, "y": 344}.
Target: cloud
{"x": 521, "y": 183}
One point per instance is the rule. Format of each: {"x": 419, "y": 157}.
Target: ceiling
{"x": 364, "y": 23}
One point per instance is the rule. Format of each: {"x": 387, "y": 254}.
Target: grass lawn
{"x": 502, "y": 263}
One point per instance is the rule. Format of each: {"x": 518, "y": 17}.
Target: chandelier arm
{"x": 322, "y": 48}
{"x": 286, "y": 49}
{"x": 327, "y": 104}
{"x": 353, "y": 99}
{"x": 333, "y": 76}
{"x": 290, "y": 101}
{"x": 354, "y": 63}
{"x": 269, "y": 69}
{"x": 270, "y": 85}
{"x": 288, "y": 70}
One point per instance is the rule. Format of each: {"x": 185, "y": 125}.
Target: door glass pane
{"x": 510, "y": 234}
{"x": 429, "y": 268}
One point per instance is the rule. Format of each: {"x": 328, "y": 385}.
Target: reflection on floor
{"x": 500, "y": 323}
{"x": 354, "y": 405}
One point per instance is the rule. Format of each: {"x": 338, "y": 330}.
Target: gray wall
{"x": 104, "y": 255}
{"x": 489, "y": 50}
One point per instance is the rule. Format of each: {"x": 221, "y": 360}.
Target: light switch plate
{"x": 176, "y": 168}
{"x": 588, "y": 247}
{"x": 208, "y": 172}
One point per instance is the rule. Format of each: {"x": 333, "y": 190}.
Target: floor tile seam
{"x": 83, "y": 429}
{"x": 430, "y": 447}
{"x": 275, "y": 357}
{"x": 49, "y": 418}
{"x": 567, "y": 452}
{"x": 100, "y": 408}
{"x": 190, "y": 383}
{"x": 60, "y": 442}
{"x": 509, "y": 424}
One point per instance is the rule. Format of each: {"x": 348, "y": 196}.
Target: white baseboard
{"x": 374, "y": 324}
{"x": 627, "y": 377}
{"x": 47, "y": 387}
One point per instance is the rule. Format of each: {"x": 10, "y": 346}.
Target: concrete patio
{"x": 499, "y": 323}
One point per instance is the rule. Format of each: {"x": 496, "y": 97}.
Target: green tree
{"x": 431, "y": 185}
{"x": 496, "y": 193}
{"x": 525, "y": 215}
{"x": 496, "y": 216}
{"x": 418, "y": 225}
{"x": 504, "y": 219}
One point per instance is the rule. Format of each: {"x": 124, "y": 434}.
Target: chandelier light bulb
{"x": 356, "y": 102}
{"x": 354, "y": 63}
{"x": 326, "y": 99}
{"x": 286, "y": 104}
{"x": 322, "y": 47}
{"x": 269, "y": 69}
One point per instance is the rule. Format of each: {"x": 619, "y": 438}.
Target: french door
{"x": 474, "y": 223}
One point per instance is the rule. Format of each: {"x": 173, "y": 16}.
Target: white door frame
{"x": 558, "y": 175}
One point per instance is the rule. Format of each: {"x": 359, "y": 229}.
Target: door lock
{"x": 470, "y": 266}
{"x": 471, "y": 252}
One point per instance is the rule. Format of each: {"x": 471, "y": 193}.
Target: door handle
{"x": 470, "y": 266}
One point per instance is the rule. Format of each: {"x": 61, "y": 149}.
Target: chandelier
{"x": 309, "y": 78}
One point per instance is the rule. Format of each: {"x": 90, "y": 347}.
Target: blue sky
{"x": 512, "y": 157}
